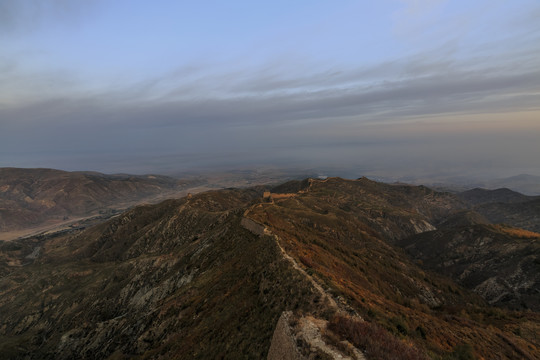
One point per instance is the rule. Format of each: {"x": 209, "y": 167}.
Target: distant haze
{"x": 392, "y": 87}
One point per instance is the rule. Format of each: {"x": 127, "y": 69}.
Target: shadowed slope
{"x": 505, "y": 206}
{"x": 181, "y": 279}
{"x": 498, "y": 262}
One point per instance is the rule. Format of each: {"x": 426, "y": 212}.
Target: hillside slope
{"x": 222, "y": 273}
{"x": 505, "y": 206}
{"x": 524, "y": 215}
{"x": 182, "y": 279}
{"x": 34, "y": 197}
{"x": 500, "y": 263}
{"x": 342, "y": 232}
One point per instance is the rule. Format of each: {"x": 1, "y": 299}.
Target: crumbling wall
{"x": 283, "y": 345}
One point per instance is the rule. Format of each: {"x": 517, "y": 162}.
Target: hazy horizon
{"x": 394, "y": 88}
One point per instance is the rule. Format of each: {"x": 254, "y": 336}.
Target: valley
{"x": 41, "y": 201}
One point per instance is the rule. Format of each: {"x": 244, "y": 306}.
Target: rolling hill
{"x": 479, "y": 196}
{"x": 505, "y": 206}
{"x": 525, "y": 183}
{"x": 31, "y": 198}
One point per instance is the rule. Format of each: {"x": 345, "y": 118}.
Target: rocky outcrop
{"x": 500, "y": 263}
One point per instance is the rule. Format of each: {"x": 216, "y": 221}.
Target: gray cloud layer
{"x": 265, "y": 100}
{"x": 350, "y": 116}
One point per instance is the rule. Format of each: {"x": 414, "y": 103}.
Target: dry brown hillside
{"x": 221, "y": 274}
{"x": 35, "y": 197}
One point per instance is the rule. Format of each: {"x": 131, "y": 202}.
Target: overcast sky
{"x": 396, "y": 87}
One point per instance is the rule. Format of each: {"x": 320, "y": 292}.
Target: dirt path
{"x": 310, "y": 329}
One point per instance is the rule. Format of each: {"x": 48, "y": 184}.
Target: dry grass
{"x": 519, "y": 233}
{"x": 375, "y": 341}
{"x": 331, "y": 237}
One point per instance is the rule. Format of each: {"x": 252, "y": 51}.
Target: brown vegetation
{"x": 375, "y": 341}
{"x": 31, "y": 198}
{"x": 519, "y": 233}
{"x": 340, "y": 232}
{"x": 190, "y": 278}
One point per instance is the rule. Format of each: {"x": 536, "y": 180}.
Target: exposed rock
{"x": 498, "y": 262}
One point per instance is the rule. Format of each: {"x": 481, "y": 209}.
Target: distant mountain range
{"x": 525, "y": 184}
{"x": 31, "y": 198}
{"x": 312, "y": 269}
{"x": 479, "y": 196}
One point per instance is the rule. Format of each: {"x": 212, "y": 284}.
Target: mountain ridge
{"x": 210, "y": 275}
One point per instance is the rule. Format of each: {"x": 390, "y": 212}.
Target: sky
{"x": 391, "y": 87}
